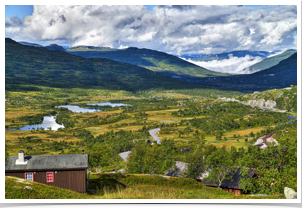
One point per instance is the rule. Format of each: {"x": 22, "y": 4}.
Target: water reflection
{"x": 77, "y": 109}
{"x": 48, "y": 122}
{"x": 109, "y": 103}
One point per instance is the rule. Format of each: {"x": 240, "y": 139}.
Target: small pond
{"x": 109, "y": 103}
{"x": 48, "y": 121}
{"x": 77, "y": 109}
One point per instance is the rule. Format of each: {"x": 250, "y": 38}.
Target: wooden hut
{"x": 64, "y": 171}
{"x": 232, "y": 185}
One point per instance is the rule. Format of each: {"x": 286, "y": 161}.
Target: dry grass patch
{"x": 13, "y": 112}
{"x": 245, "y": 131}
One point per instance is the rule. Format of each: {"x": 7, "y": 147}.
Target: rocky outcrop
{"x": 175, "y": 171}
{"x": 262, "y": 103}
{"x": 290, "y": 193}
{"x": 263, "y": 141}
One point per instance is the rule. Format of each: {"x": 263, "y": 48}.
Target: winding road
{"x": 152, "y": 133}
{"x": 124, "y": 155}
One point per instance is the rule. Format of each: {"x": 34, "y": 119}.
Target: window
{"x": 49, "y": 176}
{"x": 29, "y": 176}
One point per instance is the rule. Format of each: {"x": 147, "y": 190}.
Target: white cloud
{"x": 122, "y": 47}
{"x": 181, "y": 29}
{"x": 232, "y": 65}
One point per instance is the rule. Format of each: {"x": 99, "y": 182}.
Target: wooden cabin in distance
{"x": 231, "y": 185}
{"x": 64, "y": 171}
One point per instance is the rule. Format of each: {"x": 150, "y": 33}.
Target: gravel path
{"x": 124, "y": 155}
{"x": 152, "y": 133}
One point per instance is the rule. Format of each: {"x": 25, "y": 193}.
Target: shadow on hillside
{"x": 99, "y": 184}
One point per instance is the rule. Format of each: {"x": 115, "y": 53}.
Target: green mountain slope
{"x": 154, "y": 60}
{"x": 40, "y": 66}
{"x": 286, "y": 68}
{"x": 268, "y": 62}
{"x": 55, "y": 47}
{"x": 279, "y": 76}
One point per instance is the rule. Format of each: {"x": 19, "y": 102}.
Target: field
{"x": 28, "y": 104}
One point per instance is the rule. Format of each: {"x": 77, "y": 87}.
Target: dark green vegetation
{"x": 269, "y": 62}
{"x": 55, "y": 47}
{"x": 53, "y": 68}
{"x": 38, "y": 66}
{"x": 228, "y": 121}
{"x": 154, "y": 60}
{"x": 276, "y": 166}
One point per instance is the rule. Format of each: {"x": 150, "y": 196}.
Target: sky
{"x": 178, "y": 30}
{"x": 175, "y": 29}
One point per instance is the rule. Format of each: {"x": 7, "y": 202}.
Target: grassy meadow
{"x": 117, "y": 186}
{"x": 21, "y": 104}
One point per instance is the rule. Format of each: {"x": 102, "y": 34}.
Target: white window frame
{"x": 28, "y": 178}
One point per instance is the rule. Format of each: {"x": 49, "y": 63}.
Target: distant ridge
{"x": 226, "y": 55}
{"x": 269, "y": 62}
{"x": 164, "y": 63}
{"x": 55, "y": 47}
{"x": 31, "y": 44}
{"x": 50, "y": 47}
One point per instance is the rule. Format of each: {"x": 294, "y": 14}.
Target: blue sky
{"x": 22, "y": 11}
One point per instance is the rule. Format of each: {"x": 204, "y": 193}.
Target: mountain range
{"x": 55, "y": 67}
{"x": 29, "y": 65}
{"x": 164, "y": 63}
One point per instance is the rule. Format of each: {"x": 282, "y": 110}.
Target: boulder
{"x": 290, "y": 193}
{"x": 175, "y": 171}
{"x": 262, "y": 103}
{"x": 185, "y": 150}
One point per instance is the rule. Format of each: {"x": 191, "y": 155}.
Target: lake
{"x": 48, "y": 121}
{"x": 291, "y": 122}
{"x": 77, "y": 109}
{"x": 109, "y": 103}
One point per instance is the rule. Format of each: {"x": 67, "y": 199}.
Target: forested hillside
{"x": 53, "y": 68}
{"x": 154, "y": 60}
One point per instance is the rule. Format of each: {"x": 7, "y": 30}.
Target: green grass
{"x": 118, "y": 186}
{"x": 17, "y": 188}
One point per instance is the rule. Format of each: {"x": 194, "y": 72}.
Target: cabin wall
{"x": 69, "y": 179}
{"x": 234, "y": 191}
